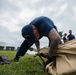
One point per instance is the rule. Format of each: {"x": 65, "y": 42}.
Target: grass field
{"x": 27, "y": 65}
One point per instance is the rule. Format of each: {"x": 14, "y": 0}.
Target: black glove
{"x": 16, "y": 59}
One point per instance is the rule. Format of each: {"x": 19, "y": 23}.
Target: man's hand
{"x": 15, "y": 59}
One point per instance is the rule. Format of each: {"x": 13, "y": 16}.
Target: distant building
{"x": 1, "y": 47}
{"x": 10, "y": 48}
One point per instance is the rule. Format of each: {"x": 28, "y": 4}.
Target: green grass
{"x": 27, "y": 65}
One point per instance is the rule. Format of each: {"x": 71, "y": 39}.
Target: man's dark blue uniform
{"x": 71, "y": 37}
{"x": 43, "y": 24}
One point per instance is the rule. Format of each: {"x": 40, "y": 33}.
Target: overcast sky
{"x": 14, "y": 14}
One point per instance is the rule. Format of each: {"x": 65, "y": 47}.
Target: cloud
{"x": 74, "y": 10}
{"x": 10, "y": 37}
{"x": 14, "y": 14}
{"x": 61, "y": 10}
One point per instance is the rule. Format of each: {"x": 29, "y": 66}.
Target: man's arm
{"x": 74, "y": 36}
{"x": 22, "y": 50}
{"x": 37, "y": 43}
{"x": 53, "y": 46}
{"x": 55, "y": 40}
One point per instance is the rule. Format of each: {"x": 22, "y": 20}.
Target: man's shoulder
{"x": 68, "y": 35}
{"x": 73, "y": 36}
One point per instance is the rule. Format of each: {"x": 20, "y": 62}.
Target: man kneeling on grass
{"x": 33, "y": 32}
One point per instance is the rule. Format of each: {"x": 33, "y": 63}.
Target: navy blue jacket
{"x": 71, "y": 37}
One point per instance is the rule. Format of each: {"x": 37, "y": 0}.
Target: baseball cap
{"x": 27, "y": 33}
